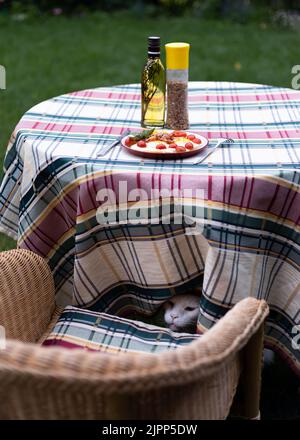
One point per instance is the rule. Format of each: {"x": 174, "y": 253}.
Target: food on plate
{"x": 180, "y": 149}
{"x": 163, "y": 141}
{"x": 189, "y": 146}
{"x": 141, "y": 144}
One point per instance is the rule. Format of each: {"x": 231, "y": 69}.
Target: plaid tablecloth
{"x": 249, "y": 240}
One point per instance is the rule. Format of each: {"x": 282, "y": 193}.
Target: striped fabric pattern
{"x": 79, "y": 328}
{"x": 249, "y": 220}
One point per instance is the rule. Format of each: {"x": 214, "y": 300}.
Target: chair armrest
{"x": 194, "y": 361}
{"x": 27, "y": 295}
{"x": 108, "y": 384}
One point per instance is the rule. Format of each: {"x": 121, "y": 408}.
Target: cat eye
{"x": 171, "y": 303}
{"x": 189, "y": 309}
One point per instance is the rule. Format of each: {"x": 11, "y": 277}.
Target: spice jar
{"x": 177, "y": 61}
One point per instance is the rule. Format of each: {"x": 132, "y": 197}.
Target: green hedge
{"x": 237, "y": 9}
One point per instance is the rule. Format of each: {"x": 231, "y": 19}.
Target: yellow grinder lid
{"x": 177, "y": 55}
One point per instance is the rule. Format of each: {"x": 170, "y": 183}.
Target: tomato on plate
{"x": 180, "y": 149}
{"x": 178, "y": 133}
{"x": 142, "y": 144}
{"x": 197, "y": 141}
{"x": 191, "y": 137}
{"x": 189, "y": 146}
{"x": 129, "y": 142}
{"x": 160, "y": 147}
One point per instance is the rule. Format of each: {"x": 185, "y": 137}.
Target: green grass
{"x": 53, "y": 55}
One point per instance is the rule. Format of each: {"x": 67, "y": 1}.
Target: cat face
{"x": 181, "y": 313}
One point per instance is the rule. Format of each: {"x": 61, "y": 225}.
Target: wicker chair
{"x": 196, "y": 381}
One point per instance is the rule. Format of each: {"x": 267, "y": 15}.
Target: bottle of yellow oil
{"x": 153, "y": 87}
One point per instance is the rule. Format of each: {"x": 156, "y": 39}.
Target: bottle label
{"x": 156, "y": 107}
{"x": 177, "y": 75}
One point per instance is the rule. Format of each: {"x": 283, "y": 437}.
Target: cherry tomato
{"x": 197, "y": 141}
{"x": 161, "y": 147}
{"x": 141, "y": 144}
{"x": 128, "y": 142}
{"x": 173, "y": 145}
{"x": 191, "y": 137}
{"x": 180, "y": 149}
{"x": 179, "y": 134}
{"x": 189, "y": 145}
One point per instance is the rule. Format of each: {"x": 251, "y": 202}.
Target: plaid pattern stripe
{"x": 79, "y": 328}
{"x": 249, "y": 245}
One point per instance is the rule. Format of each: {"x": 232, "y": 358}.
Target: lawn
{"x": 55, "y": 55}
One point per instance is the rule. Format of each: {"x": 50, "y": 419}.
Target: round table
{"x": 52, "y": 197}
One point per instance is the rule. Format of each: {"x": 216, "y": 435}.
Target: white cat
{"x": 181, "y": 313}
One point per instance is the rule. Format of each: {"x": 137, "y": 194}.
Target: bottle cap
{"x": 177, "y": 55}
{"x": 154, "y": 45}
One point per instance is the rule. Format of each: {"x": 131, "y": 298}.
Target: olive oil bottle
{"x": 153, "y": 87}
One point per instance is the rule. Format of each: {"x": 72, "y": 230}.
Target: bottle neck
{"x": 152, "y": 55}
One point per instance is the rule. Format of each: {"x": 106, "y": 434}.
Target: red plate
{"x": 142, "y": 152}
